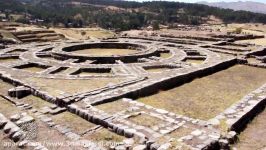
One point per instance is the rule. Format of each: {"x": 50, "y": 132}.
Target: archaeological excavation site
{"x": 183, "y": 89}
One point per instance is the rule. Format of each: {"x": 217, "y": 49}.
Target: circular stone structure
{"x": 128, "y": 52}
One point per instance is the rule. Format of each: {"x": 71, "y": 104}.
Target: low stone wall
{"x": 32, "y": 65}
{"x": 181, "y": 79}
{"x": 171, "y": 82}
{"x": 259, "y": 52}
{"x": 68, "y": 51}
{"x": 245, "y": 119}
{"x": 34, "y": 91}
{"x": 93, "y": 70}
{"x": 103, "y": 45}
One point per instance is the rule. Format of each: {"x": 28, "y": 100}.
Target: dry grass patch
{"x": 51, "y": 135}
{"x": 255, "y": 41}
{"x": 8, "y": 60}
{"x": 7, "y": 108}
{"x": 146, "y": 120}
{"x": 104, "y": 135}
{"x": 113, "y": 107}
{"x": 76, "y": 123}
{"x": 99, "y": 33}
{"x": 206, "y": 97}
{"x": 7, "y": 35}
{"x": 33, "y": 69}
{"x": 35, "y": 102}
{"x": 105, "y": 51}
{"x": 4, "y": 87}
{"x": 165, "y": 55}
{"x": 253, "y": 60}
{"x": 84, "y": 33}
{"x": 253, "y": 137}
{"x": 55, "y": 87}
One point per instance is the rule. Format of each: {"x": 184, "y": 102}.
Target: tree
{"x": 155, "y": 25}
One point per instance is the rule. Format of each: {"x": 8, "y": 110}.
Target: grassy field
{"x": 36, "y": 102}
{"x": 104, "y": 135}
{"x": 206, "y": 97}
{"x": 4, "y": 87}
{"x": 146, "y": 120}
{"x": 83, "y": 33}
{"x": 255, "y": 41}
{"x": 55, "y": 87}
{"x": 256, "y": 29}
{"x": 7, "y": 34}
{"x": 109, "y": 107}
{"x": 8, "y": 60}
{"x": 165, "y": 55}
{"x": 33, "y": 69}
{"x": 253, "y": 137}
{"x": 7, "y": 108}
{"x": 105, "y": 51}
{"x": 76, "y": 123}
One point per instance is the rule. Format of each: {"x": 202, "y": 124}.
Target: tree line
{"x": 132, "y": 15}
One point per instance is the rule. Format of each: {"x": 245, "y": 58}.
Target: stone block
{"x": 19, "y": 92}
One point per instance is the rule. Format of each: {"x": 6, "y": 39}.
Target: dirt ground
{"x": 109, "y": 107}
{"x": 206, "y": 97}
{"x": 256, "y": 29}
{"x": 253, "y": 137}
{"x": 83, "y": 33}
{"x": 105, "y": 51}
{"x": 55, "y": 87}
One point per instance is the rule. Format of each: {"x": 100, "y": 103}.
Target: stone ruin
{"x": 46, "y": 70}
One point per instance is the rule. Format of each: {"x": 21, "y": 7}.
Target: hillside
{"x": 121, "y": 15}
{"x": 247, "y": 6}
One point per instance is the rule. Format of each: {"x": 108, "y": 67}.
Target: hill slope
{"x": 123, "y": 15}
{"x": 247, "y": 6}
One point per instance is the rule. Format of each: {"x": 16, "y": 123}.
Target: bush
{"x": 83, "y": 33}
{"x": 238, "y": 30}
